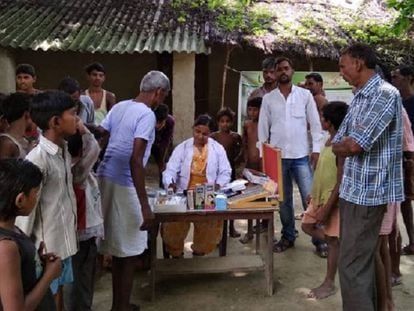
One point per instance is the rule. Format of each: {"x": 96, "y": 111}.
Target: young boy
{"x": 13, "y": 143}
{"x": 86, "y": 110}
{"x": 164, "y": 132}
{"x": 323, "y": 208}
{"x": 84, "y": 150}
{"x": 25, "y": 79}
{"x": 20, "y": 289}
{"x": 232, "y": 143}
{"x": 54, "y": 218}
{"x": 103, "y": 100}
{"x": 387, "y": 257}
{"x": 253, "y": 161}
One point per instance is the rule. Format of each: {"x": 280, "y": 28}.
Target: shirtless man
{"x": 269, "y": 77}
{"x": 103, "y": 100}
{"x": 314, "y": 83}
{"x": 13, "y": 143}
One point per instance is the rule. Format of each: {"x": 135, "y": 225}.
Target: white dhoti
{"x": 122, "y": 220}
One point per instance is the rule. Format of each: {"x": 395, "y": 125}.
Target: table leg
{"x": 223, "y": 242}
{"x": 258, "y": 228}
{"x": 154, "y": 234}
{"x": 269, "y": 257}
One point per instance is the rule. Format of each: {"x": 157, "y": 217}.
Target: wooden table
{"x": 259, "y": 261}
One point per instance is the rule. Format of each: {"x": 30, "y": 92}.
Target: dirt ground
{"x": 296, "y": 271}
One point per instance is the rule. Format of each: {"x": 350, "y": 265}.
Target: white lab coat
{"x": 178, "y": 169}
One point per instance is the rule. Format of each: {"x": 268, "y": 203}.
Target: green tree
{"x": 404, "y": 21}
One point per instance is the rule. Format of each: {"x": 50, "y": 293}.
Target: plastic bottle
{"x": 221, "y": 202}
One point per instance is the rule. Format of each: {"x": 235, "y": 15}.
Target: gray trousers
{"x": 360, "y": 227}
{"x": 78, "y": 295}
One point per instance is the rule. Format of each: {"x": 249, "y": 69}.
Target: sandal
{"x": 282, "y": 245}
{"x": 195, "y": 254}
{"x": 396, "y": 280}
{"x": 299, "y": 216}
{"x": 407, "y": 250}
{"x": 262, "y": 228}
{"x": 246, "y": 238}
{"x": 234, "y": 233}
{"x": 322, "y": 250}
{"x": 133, "y": 307}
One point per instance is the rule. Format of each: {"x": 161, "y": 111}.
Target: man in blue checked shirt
{"x": 370, "y": 138}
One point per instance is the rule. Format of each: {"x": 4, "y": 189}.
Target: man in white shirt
{"x": 284, "y": 117}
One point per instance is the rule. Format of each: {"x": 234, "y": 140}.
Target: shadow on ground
{"x": 295, "y": 272}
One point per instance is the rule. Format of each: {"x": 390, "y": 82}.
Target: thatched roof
{"x": 312, "y": 28}
{"x": 315, "y": 27}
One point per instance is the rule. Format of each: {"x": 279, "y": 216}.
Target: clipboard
{"x": 272, "y": 166}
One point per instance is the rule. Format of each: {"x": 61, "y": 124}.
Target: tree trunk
{"x": 229, "y": 49}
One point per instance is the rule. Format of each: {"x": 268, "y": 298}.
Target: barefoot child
{"x": 323, "y": 208}
{"x": 54, "y": 218}
{"x": 383, "y": 259}
{"x": 232, "y": 143}
{"x": 13, "y": 143}
{"x": 251, "y": 151}
{"x": 387, "y": 257}
{"x": 20, "y": 289}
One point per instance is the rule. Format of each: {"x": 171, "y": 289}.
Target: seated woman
{"x": 197, "y": 160}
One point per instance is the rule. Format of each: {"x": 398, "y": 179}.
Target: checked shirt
{"x": 374, "y": 122}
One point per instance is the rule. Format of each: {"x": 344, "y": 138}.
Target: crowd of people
{"x": 72, "y": 179}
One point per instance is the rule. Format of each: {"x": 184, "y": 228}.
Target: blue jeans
{"x": 300, "y": 171}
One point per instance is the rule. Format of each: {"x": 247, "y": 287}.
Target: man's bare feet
{"x": 323, "y": 291}
{"x": 390, "y": 305}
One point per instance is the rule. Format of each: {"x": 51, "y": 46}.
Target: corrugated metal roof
{"x": 314, "y": 28}
{"x": 102, "y": 26}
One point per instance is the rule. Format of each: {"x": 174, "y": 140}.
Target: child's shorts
{"x": 331, "y": 228}
{"x": 65, "y": 277}
{"x": 390, "y": 218}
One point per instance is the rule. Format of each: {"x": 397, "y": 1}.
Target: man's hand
{"x": 52, "y": 267}
{"x": 308, "y": 199}
{"x": 346, "y": 147}
{"x": 148, "y": 217}
{"x": 82, "y": 128}
{"x": 323, "y": 213}
{"x": 314, "y": 159}
{"x": 173, "y": 186}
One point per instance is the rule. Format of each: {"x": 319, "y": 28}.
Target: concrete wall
{"x": 244, "y": 59}
{"x": 205, "y": 73}
{"x": 123, "y": 72}
{"x": 7, "y": 67}
{"x": 183, "y": 95}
